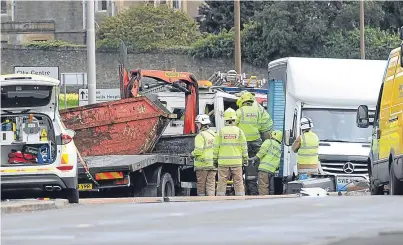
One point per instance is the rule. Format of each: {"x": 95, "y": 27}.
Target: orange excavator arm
{"x": 131, "y": 82}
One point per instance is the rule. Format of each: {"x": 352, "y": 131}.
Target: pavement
{"x": 29, "y": 205}
{"x": 335, "y": 220}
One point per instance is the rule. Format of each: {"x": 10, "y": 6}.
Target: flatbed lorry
{"x": 121, "y": 145}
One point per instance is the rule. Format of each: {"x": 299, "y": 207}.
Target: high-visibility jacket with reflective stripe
{"x": 230, "y": 147}
{"x": 269, "y": 155}
{"x": 203, "y": 151}
{"x": 265, "y": 122}
{"x": 308, "y": 151}
{"x": 248, "y": 117}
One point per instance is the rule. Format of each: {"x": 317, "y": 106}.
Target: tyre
{"x": 166, "y": 187}
{"x": 375, "y": 190}
{"x": 72, "y": 195}
{"x": 395, "y": 186}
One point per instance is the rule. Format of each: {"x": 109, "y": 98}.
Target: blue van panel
{"x": 236, "y": 89}
{"x": 276, "y": 109}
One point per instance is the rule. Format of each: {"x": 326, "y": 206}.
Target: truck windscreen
{"x": 337, "y": 125}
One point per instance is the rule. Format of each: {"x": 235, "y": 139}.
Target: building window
{"x": 104, "y": 5}
{"x": 163, "y": 2}
{"x": 4, "y": 7}
{"x": 101, "y": 5}
{"x": 176, "y": 4}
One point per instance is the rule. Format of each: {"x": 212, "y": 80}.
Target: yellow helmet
{"x": 229, "y": 114}
{"x": 246, "y": 96}
{"x": 278, "y": 135}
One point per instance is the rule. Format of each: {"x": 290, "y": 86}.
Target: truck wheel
{"x": 167, "y": 187}
{"x": 395, "y": 185}
{"x": 72, "y": 195}
{"x": 375, "y": 190}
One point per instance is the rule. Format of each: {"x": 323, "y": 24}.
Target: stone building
{"x": 26, "y": 21}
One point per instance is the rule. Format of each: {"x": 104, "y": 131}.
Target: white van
{"x": 38, "y": 155}
{"x": 208, "y": 101}
{"x": 329, "y": 92}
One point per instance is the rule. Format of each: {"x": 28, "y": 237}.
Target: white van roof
{"x": 337, "y": 82}
{"x": 28, "y": 79}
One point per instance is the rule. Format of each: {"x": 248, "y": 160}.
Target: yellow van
{"x": 386, "y": 157}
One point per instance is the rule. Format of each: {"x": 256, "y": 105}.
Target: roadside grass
{"x": 72, "y": 101}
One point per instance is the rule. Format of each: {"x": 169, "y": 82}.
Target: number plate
{"x": 343, "y": 182}
{"x": 84, "y": 186}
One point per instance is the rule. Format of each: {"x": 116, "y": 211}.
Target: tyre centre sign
{"x": 49, "y": 71}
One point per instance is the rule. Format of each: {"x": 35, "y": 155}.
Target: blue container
{"x": 7, "y": 126}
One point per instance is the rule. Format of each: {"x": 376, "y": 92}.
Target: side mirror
{"x": 362, "y": 117}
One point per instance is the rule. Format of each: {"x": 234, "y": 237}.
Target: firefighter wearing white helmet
{"x": 268, "y": 158}
{"x": 307, "y": 146}
{"x": 203, "y": 157}
{"x": 230, "y": 153}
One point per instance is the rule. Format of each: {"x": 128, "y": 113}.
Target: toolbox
{"x": 294, "y": 187}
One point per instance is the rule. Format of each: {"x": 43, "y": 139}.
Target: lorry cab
{"x": 386, "y": 155}
{"x": 211, "y": 103}
{"x": 38, "y": 155}
{"x": 328, "y": 91}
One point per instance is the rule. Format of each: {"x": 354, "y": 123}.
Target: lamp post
{"x": 91, "y": 65}
{"x": 362, "y": 30}
{"x": 237, "y": 22}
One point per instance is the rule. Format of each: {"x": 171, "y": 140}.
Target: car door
{"x": 383, "y": 134}
{"x": 395, "y": 117}
{"x": 374, "y": 155}
{"x": 295, "y": 132}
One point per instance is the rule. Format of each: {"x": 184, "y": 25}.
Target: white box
{"x": 7, "y": 137}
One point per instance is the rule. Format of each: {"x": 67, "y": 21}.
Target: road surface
{"x": 308, "y": 220}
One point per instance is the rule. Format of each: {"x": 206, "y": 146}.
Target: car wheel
{"x": 167, "y": 187}
{"x": 395, "y": 185}
{"x": 72, "y": 195}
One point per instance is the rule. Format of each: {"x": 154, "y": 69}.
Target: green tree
{"x": 393, "y": 15}
{"x": 285, "y": 29}
{"x": 145, "y": 27}
{"x": 219, "y": 15}
{"x": 378, "y": 44}
{"x": 310, "y": 29}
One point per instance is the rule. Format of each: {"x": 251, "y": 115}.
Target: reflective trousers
{"x": 223, "y": 176}
{"x": 251, "y": 171}
{"x": 266, "y": 183}
{"x": 206, "y": 182}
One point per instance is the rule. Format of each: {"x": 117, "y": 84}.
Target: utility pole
{"x": 91, "y": 66}
{"x": 362, "y": 30}
{"x": 237, "y": 22}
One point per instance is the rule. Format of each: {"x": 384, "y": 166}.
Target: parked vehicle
{"x": 213, "y": 103}
{"x": 121, "y": 141}
{"x": 38, "y": 155}
{"x": 328, "y": 91}
{"x": 386, "y": 157}
{"x": 141, "y": 144}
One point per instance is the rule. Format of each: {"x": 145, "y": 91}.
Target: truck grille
{"x": 336, "y": 167}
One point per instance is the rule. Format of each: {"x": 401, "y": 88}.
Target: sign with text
{"x": 102, "y": 95}
{"x": 49, "y": 71}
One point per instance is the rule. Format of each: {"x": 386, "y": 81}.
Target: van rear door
{"x": 29, "y": 93}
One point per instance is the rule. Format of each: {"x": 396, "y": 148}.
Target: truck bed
{"x": 130, "y": 163}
